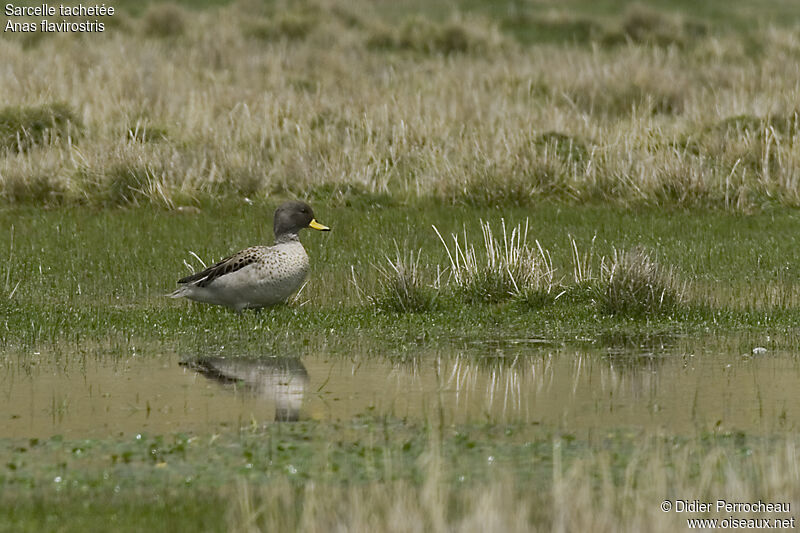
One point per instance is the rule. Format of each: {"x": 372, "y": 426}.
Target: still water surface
{"x": 574, "y": 390}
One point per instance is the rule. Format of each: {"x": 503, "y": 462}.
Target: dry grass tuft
{"x": 165, "y": 20}
{"x": 633, "y": 283}
{"x": 22, "y": 128}
{"x": 292, "y": 24}
{"x": 459, "y": 35}
{"x": 507, "y": 267}
{"x": 144, "y": 132}
{"x": 643, "y": 24}
{"x": 401, "y": 285}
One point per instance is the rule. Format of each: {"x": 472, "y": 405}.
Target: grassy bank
{"x": 75, "y": 276}
{"x": 340, "y": 100}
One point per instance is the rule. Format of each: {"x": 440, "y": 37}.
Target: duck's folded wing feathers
{"x": 230, "y": 264}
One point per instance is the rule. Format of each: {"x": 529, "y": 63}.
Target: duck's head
{"x": 293, "y": 216}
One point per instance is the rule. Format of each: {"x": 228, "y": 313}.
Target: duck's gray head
{"x": 293, "y": 216}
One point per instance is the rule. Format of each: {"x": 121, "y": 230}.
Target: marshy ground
{"x": 561, "y": 285}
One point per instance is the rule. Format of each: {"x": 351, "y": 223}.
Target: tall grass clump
{"x": 634, "y": 284}
{"x": 761, "y": 148}
{"x": 531, "y": 26}
{"x": 583, "y": 263}
{"x": 587, "y": 266}
{"x": 126, "y": 184}
{"x": 38, "y": 189}
{"x": 540, "y": 165}
{"x": 141, "y": 131}
{"x": 22, "y": 128}
{"x": 402, "y": 288}
{"x": 646, "y": 25}
{"x": 164, "y": 20}
{"x": 459, "y": 35}
{"x": 507, "y": 267}
{"x": 290, "y": 25}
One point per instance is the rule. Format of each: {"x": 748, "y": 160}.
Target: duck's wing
{"x": 257, "y": 372}
{"x": 230, "y": 264}
{"x": 282, "y": 380}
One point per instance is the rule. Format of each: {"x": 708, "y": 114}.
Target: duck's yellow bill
{"x": 316, "y": 225}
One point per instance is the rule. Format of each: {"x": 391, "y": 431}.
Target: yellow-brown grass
{"x": 254, "y": 103}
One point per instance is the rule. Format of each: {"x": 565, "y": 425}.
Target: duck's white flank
{"x": 269, "y": 276}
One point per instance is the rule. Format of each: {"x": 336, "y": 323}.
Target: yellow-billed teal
{"x": 261, "y": 275}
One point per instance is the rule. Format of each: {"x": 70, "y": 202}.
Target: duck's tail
{"x": 180, "y": 292}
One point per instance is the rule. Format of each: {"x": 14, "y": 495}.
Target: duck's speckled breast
{"x": 279, "y": 274}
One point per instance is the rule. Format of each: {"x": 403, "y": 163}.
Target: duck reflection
{"x": 282, "y": 380}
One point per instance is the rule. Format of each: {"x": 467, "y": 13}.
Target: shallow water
{"x": 577, "y": 391}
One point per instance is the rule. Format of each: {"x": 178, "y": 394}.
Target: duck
{"x": 259, "y": 276}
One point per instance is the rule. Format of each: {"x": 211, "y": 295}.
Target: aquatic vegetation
{"x": 609, "y": 491}
{"x": 296, "y": 477}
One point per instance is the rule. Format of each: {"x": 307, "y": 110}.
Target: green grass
{"x": 74, "y": 276}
